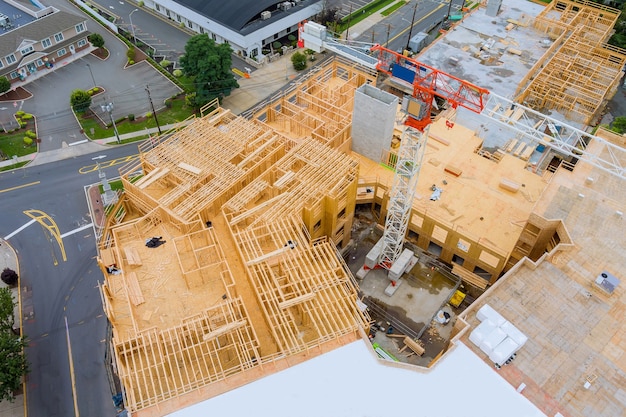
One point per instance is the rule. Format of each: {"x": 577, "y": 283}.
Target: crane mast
{"x": 409, "y": 162}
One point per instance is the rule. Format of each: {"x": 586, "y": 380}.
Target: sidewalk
{"x": 8, "y": 259}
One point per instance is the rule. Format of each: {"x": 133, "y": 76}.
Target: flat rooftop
{"x": 477, "y": 49}
{"x": 576, "y": 330}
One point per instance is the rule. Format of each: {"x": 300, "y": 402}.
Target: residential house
{"x": 40, "y": 44}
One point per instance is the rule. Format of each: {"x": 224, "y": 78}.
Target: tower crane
{"x": 427, "y": 83}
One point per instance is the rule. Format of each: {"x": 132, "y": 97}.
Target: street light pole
{"x": 411, "y": 27}
{"x": 132, "y": 27}
{"x": 109, "y": 109}
{"x": 92, "y": 79}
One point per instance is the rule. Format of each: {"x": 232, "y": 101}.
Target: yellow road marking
{"x": 415, "y": 23}
{"x": 106, "y": 164}
{"x": 50, "y": 227}
{"x": 19, "y": 186}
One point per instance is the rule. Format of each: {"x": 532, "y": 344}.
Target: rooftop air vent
{"x": 266, "y": 15}
{"x": 607, "y": 282}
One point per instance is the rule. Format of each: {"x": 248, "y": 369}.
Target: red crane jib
{"x": 429, "y": 82}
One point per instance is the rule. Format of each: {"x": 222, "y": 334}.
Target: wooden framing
{"x": 579, "y": 72}
{"x": 250, "y": 211}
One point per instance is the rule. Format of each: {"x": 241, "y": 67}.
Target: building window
{"x": 27, "y": 50}
{"x": 46, "y": 43}
{"x": 167, "y": 12}
{"x": 81, "y": 42}
{"x": 213, "y": 36}
{"x": 61, "y": 52}
{"x": 1, "y": 64}
{"x": 201, "y": 29}
{"x": 178, "y": 18}
{"x": 14, "y": 75}
{"x": 189, "y": 24}
{"x": 157, "y": 7}
{"x": 276, "y": 36}
{"x": 58, "y": 37}
{"x": 11, "y": 59}
{"x": 80, "y": 27}
{"x": 39, "y": 63}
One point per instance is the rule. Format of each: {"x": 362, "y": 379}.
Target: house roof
{"x": 234, "y": 14}
{"x": 38, "y": 30}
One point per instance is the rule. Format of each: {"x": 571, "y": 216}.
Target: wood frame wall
{"x": 579, "y": 72}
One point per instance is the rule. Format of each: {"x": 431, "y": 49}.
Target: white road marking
{"x": 10, "y": 235}
{"x": 71, "y": 232}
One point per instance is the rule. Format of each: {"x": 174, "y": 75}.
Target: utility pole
{"x": 373, "y": 33}
{"x": 348, "y": 30}
{"x": 153, "y": 112}
{"x": 411, "y": 27}
{"x": 388, "y": 30}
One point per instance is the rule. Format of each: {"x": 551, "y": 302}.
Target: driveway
{"x": 125, "y": 88}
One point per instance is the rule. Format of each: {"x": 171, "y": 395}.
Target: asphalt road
{"x": 428, "y": 15}
{"x": 56, "y": 288}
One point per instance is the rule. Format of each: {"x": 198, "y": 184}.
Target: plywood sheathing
{"x": 579, "y": 72}
{"x": 474, "y": 219}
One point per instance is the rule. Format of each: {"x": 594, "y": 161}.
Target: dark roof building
{"x": 249, "y": 26}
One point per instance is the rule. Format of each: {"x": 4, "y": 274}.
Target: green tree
{"x": 13, "y": 364}
{"x": 210, "y": 66}
{"x": 96, "y": 40}
{"x": 5, "y": 84}
{"x": 298, "y": 59}
{"x": 80, "y": 100}
{"x": 619, "y": 124}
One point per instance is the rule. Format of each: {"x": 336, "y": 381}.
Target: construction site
{"x": 387, "y": 206}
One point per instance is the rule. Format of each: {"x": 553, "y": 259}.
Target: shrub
{"x": 277, "y": 45}
{"x": 5, "y": 84}
{"x": 140, "y": 3}
{"x": 298, "y": 59}
{"x": 22, "y": 124}
{"x": 131, "y": 117}
{"x": 149, "y": 115}
{"x": 31, "y": 134}
{"x": 131, "y": 62}
{"x": 9, "y": 277}
{"x": 80, "y": 100}
{"x": 177, "y": 73}
{"x": 165, "y": 63}
{"x": 27, "y": 116}
{"x": 27, "y": 141}
{"x": 168, "y": 103}
{"x": 20, "y": 113}
{"x": 130, "y": 53}
{"x": 96, "y": 40}
{"x": 181, "y": 25}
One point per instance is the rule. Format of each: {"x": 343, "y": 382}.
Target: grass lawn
{"x": 393, "y": 8}
{"x": 178, "y": 112}
{"x": 360, "y": 14}
{"x": 14, "y": 166}
{"x": 13, "y": 144}
{"x": 115, "y": 185}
